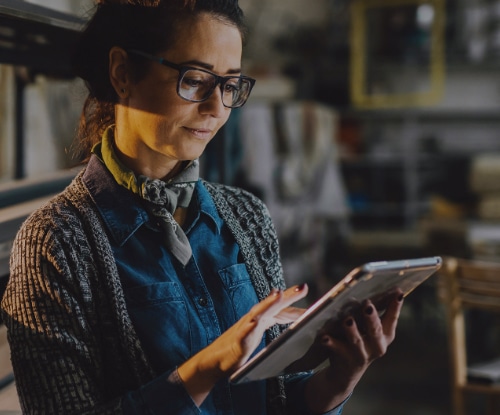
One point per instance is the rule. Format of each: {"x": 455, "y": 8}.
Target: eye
{"x": 232, "y": 85}
{"x": 197, "y": 79}
{"x": 191, "y": 81}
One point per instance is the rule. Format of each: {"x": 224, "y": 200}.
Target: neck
{"x": 165, "y": 172}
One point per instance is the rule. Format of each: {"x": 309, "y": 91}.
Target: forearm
{"x": 198, "y": 378}
{"x": 324, "y": 391}
{"x": 297, "y": 404}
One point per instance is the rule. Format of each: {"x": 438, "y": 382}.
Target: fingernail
{"x": 349, "y": 322}
{"x": 300, "y": 287}
{"x": 369, "y": 310}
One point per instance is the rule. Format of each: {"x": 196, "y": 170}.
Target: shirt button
{"x": 203, "y": 301}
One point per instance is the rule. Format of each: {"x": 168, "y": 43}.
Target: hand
{"x": 233, "y": 348}
{"x": 364, "y": 338}
{"x": 361, "y": 340}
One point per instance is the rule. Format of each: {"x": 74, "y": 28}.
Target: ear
{"x": 119, "y": 75}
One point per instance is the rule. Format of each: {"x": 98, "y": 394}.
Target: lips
{"x": 200, "y": 132}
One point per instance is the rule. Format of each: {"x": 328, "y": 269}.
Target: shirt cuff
{"x": 164, "y": 394}
{"x": 295, "y": 392}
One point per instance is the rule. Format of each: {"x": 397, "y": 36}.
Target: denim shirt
{"x": 176, "y": 310}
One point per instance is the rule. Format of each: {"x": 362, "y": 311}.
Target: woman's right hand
{"x": 233, "y": 348}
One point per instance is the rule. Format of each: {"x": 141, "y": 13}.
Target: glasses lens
{"x": 196, "y": 85}
{"x": 235, "y": 92}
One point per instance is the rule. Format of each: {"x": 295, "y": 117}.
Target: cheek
{"x": 158, "y": 98}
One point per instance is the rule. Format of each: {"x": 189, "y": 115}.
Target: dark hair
{"x": 148, "y": 25}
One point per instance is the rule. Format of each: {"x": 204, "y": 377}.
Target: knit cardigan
{"x": 74, "y": 349}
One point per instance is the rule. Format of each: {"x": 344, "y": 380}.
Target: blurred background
{"x": 373, "y": 133}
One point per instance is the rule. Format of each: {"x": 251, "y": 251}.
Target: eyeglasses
{"x": 197, "y": 85}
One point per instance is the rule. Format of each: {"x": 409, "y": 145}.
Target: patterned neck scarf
{"x": 162, "y": 197}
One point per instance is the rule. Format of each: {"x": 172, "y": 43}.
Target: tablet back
{"x": 377, "y": 281}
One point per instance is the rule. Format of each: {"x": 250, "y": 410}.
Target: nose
{"x": 213, "y": 105}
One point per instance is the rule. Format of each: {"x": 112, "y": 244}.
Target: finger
{"x": 289, "y": 315}
{"x": 375, "y": 340}
{"x": 265, "y": 305}
{"x": 351, "y": 343}
{"x": 296, "y": 293}
{"x": 391, "y": 316}
{"x": 371, "y": 321}
{"x": 351, "y": 333}
{"x": 265, "y": 312}
{"x": 254, "y": 318}
{"x": 289, "y": 296}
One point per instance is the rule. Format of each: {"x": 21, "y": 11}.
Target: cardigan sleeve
{"x": 167, "y": 391}
{"x": 55, "y": 348}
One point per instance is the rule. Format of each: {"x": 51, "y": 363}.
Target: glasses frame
{"x": 219, "y": 80}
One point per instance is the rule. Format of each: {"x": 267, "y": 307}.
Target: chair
{"x": 468, "y": 285}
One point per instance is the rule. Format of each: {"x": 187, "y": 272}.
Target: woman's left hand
{"x": 351, "y": 348}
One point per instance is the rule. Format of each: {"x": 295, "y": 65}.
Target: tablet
{"x": 376, "y": 281}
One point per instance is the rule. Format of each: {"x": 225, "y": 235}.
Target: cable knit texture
{"x": 74, "y": 348}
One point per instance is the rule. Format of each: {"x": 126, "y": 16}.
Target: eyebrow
{"x": 207, "y": 66}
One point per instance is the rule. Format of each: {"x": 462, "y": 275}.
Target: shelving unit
{"x": 408, "y": 159}
{"x": 37, "y": 38}
{"x": 36, "y": 41}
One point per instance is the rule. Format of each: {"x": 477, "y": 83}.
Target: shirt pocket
{"x": 161, "y": 318}
{"x": 239, "y": 289}
{"x": 153, "y": 294}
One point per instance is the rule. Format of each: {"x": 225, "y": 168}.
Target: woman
{"x": 141, "y": 288}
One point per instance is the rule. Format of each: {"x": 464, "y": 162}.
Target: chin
{"x": 193, "y": 153}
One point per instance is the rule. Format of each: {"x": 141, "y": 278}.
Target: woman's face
{"x": 155, "y": 128}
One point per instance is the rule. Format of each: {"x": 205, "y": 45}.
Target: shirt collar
{"x": 205, "y": 206}
{"x": 120, "y": 209}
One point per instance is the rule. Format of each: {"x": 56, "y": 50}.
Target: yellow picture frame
{"x": 360, "y": 98}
